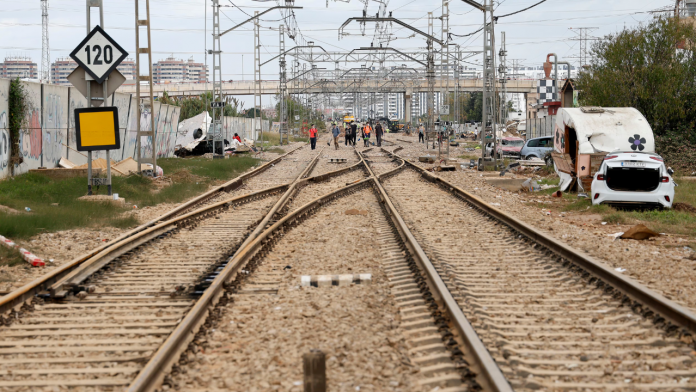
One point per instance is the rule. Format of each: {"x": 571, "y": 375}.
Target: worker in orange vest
{"x": 366, "y": 138}
{"x": 313, "y": 137}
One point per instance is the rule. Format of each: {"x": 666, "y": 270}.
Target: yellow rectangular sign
{"x": 97, "y": 129}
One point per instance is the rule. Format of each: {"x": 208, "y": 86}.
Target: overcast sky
{"x": 178, "y": 27}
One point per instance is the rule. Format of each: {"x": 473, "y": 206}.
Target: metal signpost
{"x": 97, "y": 56}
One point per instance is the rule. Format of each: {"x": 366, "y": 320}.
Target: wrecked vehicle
{"x": 584, "y": 136}
{"x": 632, "y": 178}
{"x": 192, "y": 136}
{"x": 509, "y": 147}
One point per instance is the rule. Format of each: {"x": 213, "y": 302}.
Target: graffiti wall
{"x": 123, "y": 103}
{"x": 244, "y": 127}
{"x": 77, "y": 101}
{"x": 54, "y": 124}
{"x": 49, "y": 131}
{"x": 30, "y": 135}
{"x": 4, "y": 130}
{"x": 129, "y": 144}
{"x": 167, "y": 130}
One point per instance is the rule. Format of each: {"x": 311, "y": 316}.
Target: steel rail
{"x": 25, "y": 293}
{"x": 85, "y": 270}
{"x": 390, "y": 172}
{"x": 96, "y": 263}
{"x": 278, "y": 206}
{"x": 490, "y": 375}
{"x": 151, "y": 376}
{"x": 637, "y": 292}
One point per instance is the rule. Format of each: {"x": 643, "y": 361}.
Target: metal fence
{"x": 538, "y": 127}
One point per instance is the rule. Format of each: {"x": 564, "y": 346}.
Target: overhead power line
{"x": 498, "y": 17}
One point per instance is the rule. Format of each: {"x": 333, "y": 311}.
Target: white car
{"x": 633, "y": 178}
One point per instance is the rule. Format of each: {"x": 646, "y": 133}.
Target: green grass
{"x": 10, "y": 257}
{"x": 190, "y": 177}
{"x": 662, "y": 221}
{"x": 273, "y": 139}
{"x": 276, "y": 150}
{"x": 685, "y": 192}
{"x": 470, "y": 156}
{"x": 219, "y": 169}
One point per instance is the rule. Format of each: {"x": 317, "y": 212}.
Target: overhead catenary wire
{"x": 498, "y": 17}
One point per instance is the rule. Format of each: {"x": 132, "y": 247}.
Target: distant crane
{"x": 45, "y": 50}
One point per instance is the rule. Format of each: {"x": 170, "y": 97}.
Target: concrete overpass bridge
{"x": 326, "y": 86}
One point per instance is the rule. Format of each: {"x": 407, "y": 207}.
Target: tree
{"x": 295, "y": 108}
{"x": 194, "y": 105}
{"x": 644, "y": 68}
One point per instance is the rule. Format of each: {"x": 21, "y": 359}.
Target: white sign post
{"x": 98, "y": 55}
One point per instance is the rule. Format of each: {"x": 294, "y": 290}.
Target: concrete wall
{"x": 244, "y": 127}
{"x": 4, "y": 131}
{"x": 49, "y": 133}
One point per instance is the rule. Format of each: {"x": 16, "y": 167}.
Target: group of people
{"x": 351, "y": 134}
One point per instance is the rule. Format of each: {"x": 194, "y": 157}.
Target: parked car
{"x": 537, "y": 147}
{"x": 633, "y": 178}
{"x": 509, "y": 147}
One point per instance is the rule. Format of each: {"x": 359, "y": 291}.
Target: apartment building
{"x": 172, "y": 70}
{"x": 19, "y": 67}
{"x": 62, "y": 67}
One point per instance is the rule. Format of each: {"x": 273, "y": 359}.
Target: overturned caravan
{"x": 583, "y": 137}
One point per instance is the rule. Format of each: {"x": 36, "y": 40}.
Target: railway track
{"x": 101, "y": 338}
{"x": 130, "y": 295}
{"x": 548, "y": 322}
{"x": 518, "y": 310}
{"x": 24, "y": 295}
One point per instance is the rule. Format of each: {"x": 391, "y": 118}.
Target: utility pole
{"x": 430, "y": 76}
{"x": 217, "y": 81}
{"x": 151, "y": 131}
{"x": 456, "y": 88}
{"x": 282, "y": 107}
{"x": 258, "y": 129}
{"x": 444, "y": 56}
{"x": 217, "y": 61}
{"x": 45, "y": 50}
{"x": 503, "y": 78}
{"x": 489, "y": 85}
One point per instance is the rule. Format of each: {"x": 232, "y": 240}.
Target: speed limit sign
{"x": 98, "y": 54}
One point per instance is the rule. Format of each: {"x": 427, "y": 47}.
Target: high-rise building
{"x": 62, "y": 67}
{"x": 172, "y": 70}
{"x": 18, "y": 67}
{"x": 127, "y": 68}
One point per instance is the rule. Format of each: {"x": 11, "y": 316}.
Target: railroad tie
{"x": 335, "y": 280}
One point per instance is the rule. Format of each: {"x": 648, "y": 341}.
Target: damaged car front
{"x": 633, "y": 179}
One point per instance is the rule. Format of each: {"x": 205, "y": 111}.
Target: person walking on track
{"x": 313, "y": 137}
{"x": 366, "y": 134}
{"x": 379, "y": 132}
{"x": 421, "y": 134}
{"x": 335, "y": 132}
{"x": 353, "y": 132}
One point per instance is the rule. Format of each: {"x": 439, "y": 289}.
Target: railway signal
{"x": 97, "y": 56}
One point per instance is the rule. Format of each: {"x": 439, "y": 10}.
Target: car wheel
{"x": 549, "y": 161}
{"x": 530, "y": 157}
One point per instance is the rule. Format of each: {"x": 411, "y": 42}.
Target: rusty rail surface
{"x": 490, "y": 375}
{"x": 635, "y": 291}
{"x": 25, "y": 293}
{"x": 151, "y": 376}
{"x": 94, "y": 264}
